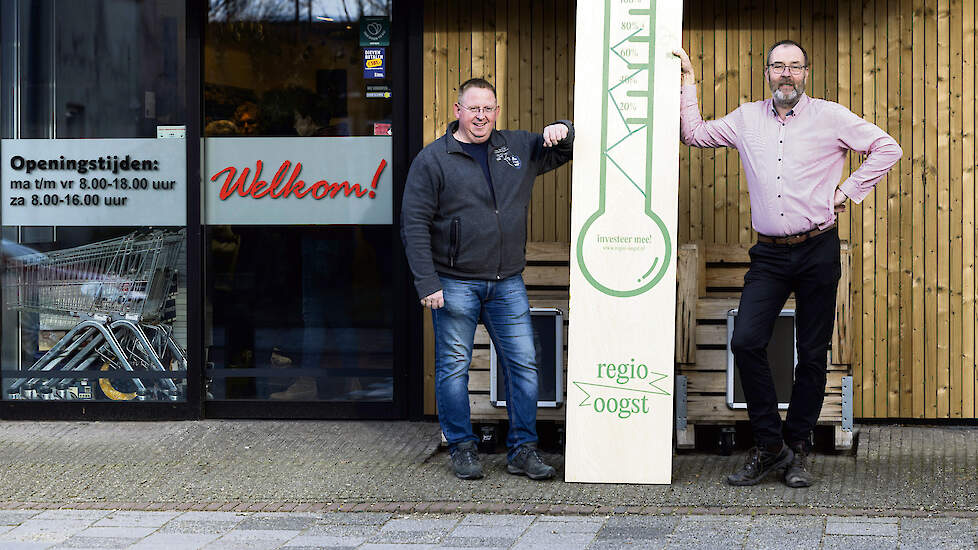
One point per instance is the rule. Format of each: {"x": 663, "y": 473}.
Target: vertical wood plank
{"x": 736, "y": 65}
{"x": 832, "y": 46}
{"x": 537, "y": 205}
{"x": 866, "y": 223}
{"x": 453, "y": 56}
{"x": 943, "y": 210}
{"x": 549, "y": 40}
{"x": 879, "y": 220}
{"x": 721, "y": 82}
{"x": 968, "y": 320}
{"x": 513, "y": 58}
{"x": 526, "y": 97}
{"x": 563, "y": 85}
{"x": 862, "y": 375}
{"x": 696, "y": 193}
{"x": 907, "y": 70}
{"x": 741, "y": 232}
{"x": 956, "y": 215}
{"x": 806, "y": 35}
{"x": 489, "y": 44}
{"x": 465, "y": 17}
{"x": 919, "y": 195}
{"x": 501, "y": 47}
{"x": 931, "y": 183}
{"x": 708, "y": 87}
{"x": 476, "y": 19}
{"x": 844, "y": 89}
{"x": 429, "y": 92}
{"x": 685, "y": 214}
{"x": 891, "y": 215}
{"x": 814, "y": 33}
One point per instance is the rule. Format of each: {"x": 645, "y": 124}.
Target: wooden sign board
{"x": 623, "y": 219}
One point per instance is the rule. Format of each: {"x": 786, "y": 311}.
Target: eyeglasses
{"x": 479, "y": 110}
{"x": 780, "y": 68}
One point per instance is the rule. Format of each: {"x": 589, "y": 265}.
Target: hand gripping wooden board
{"x": 623, "y": 221}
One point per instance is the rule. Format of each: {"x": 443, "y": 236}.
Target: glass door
{"x": 301, "y": 291}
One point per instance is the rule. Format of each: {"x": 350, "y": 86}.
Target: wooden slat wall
{"x": 906, "y": 65}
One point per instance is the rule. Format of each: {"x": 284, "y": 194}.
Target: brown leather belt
{"x": 793, "y": 239}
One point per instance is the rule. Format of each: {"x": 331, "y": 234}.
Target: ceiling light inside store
{"x": 322, "y": 18}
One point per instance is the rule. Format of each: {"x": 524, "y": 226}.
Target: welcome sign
{"x": 298, "y": 180}
{"x": 623, "y": 283}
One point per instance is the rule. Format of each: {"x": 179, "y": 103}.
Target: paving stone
{"x": 323, "y": 541}
{"x": 355, "y": 518}
{"x": 97, "y": 542}
{"x": 117, "y": 532}
{"x": 568, "y": 541}
{"x": 501, "y": 520}
{"x": 482, "y": 531}
{"x": 266, "y": 535}
{"x": 707, "y": 532}
{"x": 36, "y": 530}
{"x": 420, "y": 524}
{"x": 73, "y": 515}
{"x": 777, "y": 533}
{"x": 562, "y": 528}
{"x": 135, "y": 519}
{"x": 169, "y": 541}
{"x": 278, "y": 521}
{"x": 406, "y": 537}
{"x": 385, "y": 546}
{"x": 874, "y": 529}
{"x": 478, "y": 542}
{"x": 211, "y": 516}
{"x": 16, "y": 517}
{"x": 365, "y": 531}
{"x": 198, "y": 527}
{"x": 631, "y": 528}
{"x": 857, "y": 542}
{"x": 945, "y": 533}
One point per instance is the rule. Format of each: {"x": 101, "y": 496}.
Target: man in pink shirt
{"x": 793, "y": 149}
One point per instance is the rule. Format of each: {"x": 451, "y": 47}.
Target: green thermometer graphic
{"x": 624, "y": 248}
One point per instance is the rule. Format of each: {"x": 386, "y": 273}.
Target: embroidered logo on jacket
{"x": 504, "y": 154}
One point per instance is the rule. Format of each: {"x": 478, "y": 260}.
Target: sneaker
{"x": 465, "y": 460}
{"x": 527, "y": 462}
{"x": 796, "y": 475}
{"x": 760, "y": 463}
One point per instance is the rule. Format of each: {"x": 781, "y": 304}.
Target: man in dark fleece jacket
{"x": 463, "y": 222}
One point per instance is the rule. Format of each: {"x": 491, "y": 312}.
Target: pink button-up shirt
{"x": 793, "y": 165}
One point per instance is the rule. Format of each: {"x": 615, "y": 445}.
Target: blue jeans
{"x": 505, "y": 312}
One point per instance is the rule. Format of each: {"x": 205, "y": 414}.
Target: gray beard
{"x": 786, "y": 100}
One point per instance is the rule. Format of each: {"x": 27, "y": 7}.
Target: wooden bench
{"x": 710, "y": 280}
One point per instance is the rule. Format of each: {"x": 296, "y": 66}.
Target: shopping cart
{"x": 119, "y": 296}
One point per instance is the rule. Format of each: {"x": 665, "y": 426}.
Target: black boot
{"x": 796, "y": 475}
{"x": 759, "y": 463}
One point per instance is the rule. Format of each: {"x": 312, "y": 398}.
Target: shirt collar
{"x": 803, "y": 102}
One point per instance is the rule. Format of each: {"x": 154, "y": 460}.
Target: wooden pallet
{"x": 710, "y": 280}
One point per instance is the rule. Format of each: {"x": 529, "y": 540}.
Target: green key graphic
{"x": 624, "y": 247}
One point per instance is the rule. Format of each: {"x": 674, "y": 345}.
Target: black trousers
{"x": 811, "y": 269}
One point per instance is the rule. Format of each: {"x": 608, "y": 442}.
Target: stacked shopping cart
{"x": 117, "y": 297}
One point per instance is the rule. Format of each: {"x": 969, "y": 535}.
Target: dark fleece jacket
{"x": 450, "y": 224}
